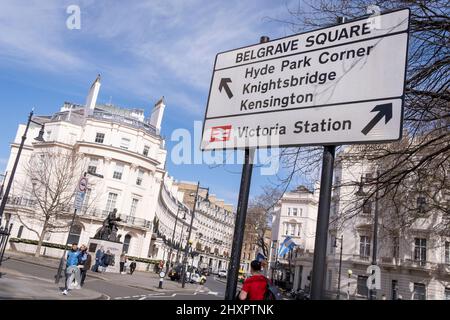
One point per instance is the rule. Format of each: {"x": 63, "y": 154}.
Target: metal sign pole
{"x": 320, "y": 245}
{"x": 319, "y": 270}
{"x": 238, "y": 236}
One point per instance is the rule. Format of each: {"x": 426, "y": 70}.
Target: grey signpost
{"x": 342, "y": 84}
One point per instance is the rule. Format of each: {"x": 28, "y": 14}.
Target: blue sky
{"x": 142, "y": 49}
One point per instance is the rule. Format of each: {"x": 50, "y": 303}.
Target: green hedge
{"x": 35, "y": 242}
{"x": 144, "y": 260}
{"x": 61, "y": 246}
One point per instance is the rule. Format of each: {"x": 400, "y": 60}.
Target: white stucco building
{"x": 296, "y": 216}
{"x": 415, "y": 263}
{"x": 126, "y": 148}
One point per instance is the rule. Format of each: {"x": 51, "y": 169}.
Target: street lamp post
{"x": 61, "y": 261}
{"x": 349, "y": 272}
{"x": 181, "y": 239}
{"x": 40, "y": 138}
{"x": 3, "y": 184}
{"x": 186, "y": 250}
{"x": 169, "y": 260}
{"x": 341, "y": 239}
{"x": 373, "y": 292}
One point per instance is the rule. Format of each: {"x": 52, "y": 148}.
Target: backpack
{"x": 272, "y": 292}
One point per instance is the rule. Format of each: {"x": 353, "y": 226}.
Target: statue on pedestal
{"x": 110, "y": 227}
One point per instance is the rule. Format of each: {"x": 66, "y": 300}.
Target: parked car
{"x": 206, "y": 271}
{"x": 195, "y": 278}
{"x": 222, "y": 274}
{"x": 175, "y": 272}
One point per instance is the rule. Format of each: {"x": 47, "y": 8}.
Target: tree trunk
{"x": 41, "y": 239}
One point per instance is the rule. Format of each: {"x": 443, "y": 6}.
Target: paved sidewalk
{"x": 150, "y": 281}
{"x": 15, "y": 285}
{"x": 142, "y": 280}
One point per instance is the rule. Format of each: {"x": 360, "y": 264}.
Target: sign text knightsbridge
{"x": 338, "y": 85}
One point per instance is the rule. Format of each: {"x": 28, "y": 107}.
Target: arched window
{"x": 19, "y": 233}
{"x": 126, "y": 243}
{"x": 74, "y": 235}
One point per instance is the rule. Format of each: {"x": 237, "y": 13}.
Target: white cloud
{"x": 146, "y": 48}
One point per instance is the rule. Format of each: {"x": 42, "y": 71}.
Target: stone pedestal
{"x": 115, "y": 249}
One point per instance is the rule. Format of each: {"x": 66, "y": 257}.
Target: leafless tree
{"x": 419, "y": 163}
{"x": 54, "y": 176}
{"x": 258, "y": 217}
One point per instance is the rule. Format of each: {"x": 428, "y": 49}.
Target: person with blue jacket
{"x": 72, "y": 269}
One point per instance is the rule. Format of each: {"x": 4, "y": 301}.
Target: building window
{"x": 298, "y": 229}
{"x": 74, "y": 235}
{"x": 146, "y": 150}
{"x": 92, "y": 167}
{"x": 361, "y": 288}
{"x": 421, "y": 204}
{"x": 111, "y": 202}
{"x": 447, "y": 252}
{"x": 49, "y": 133}
{"x": 126, "y": 243}
{"x": 332, "y": 244}
{"x": 292, "y": 227}
{"x": 289, "y": 211}
{"x": 118, "y": 171}
{"x": 294, "y": 211}
{"x": 447, "y": 294}
{"x": 134, "y": 204}
{"x": 420, "y": 250}
{"x": 367, "y": 207}
{"x": 87, "y": 197}
{"x": 19, "y": 233}
{"x": 140, "y": 177}
{"x": 364, "y": 247}
{"x": 330, "y": 279}
{"x": 419, "y": 291}
{"x": 394, "y": 288}
{"x": 100, "y": 137}
{"x": 395, "y": 248}
{"x": 125, "y": 143}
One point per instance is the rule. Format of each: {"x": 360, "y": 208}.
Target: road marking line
{"x": 174, "y": 295}
{"x": 143, "y": 298}
{"x": 137, "y": 296}
{"x": 127, "y": 297}
{"x": 213, "y": 293}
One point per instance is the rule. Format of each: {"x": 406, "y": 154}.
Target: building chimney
{"x": 157, "y": 115}
{"x": 91, "y": 99}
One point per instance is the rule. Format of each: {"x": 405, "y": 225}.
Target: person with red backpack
{"x": 256, "y": 286}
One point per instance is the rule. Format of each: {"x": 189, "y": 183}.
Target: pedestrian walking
{"x": 256, "y": 286}
{"x": 132, "y": 267}
{"x": 72, "y": 269}
{"x": 123, "y": 260}
{"x": 85, "y": 261}
{"x": 106, "y": 260}
{"x": 98, "y": 259}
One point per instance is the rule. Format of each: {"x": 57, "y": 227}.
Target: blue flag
{"x": 287, "y": 245}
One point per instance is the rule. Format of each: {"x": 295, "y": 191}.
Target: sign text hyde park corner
{"x": 338, "y": 85}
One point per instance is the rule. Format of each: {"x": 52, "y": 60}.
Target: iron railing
{"x": 5, "y": 232}
{"x": 17, "y": 201}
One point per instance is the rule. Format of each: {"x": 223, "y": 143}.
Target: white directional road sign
{"x": 79, "y": 199}
{"x": 338, "y": 85}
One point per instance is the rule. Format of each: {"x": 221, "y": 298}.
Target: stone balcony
{"x": 16, "y": 202}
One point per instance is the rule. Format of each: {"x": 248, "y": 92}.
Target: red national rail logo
{"x": 220, "y": 133}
